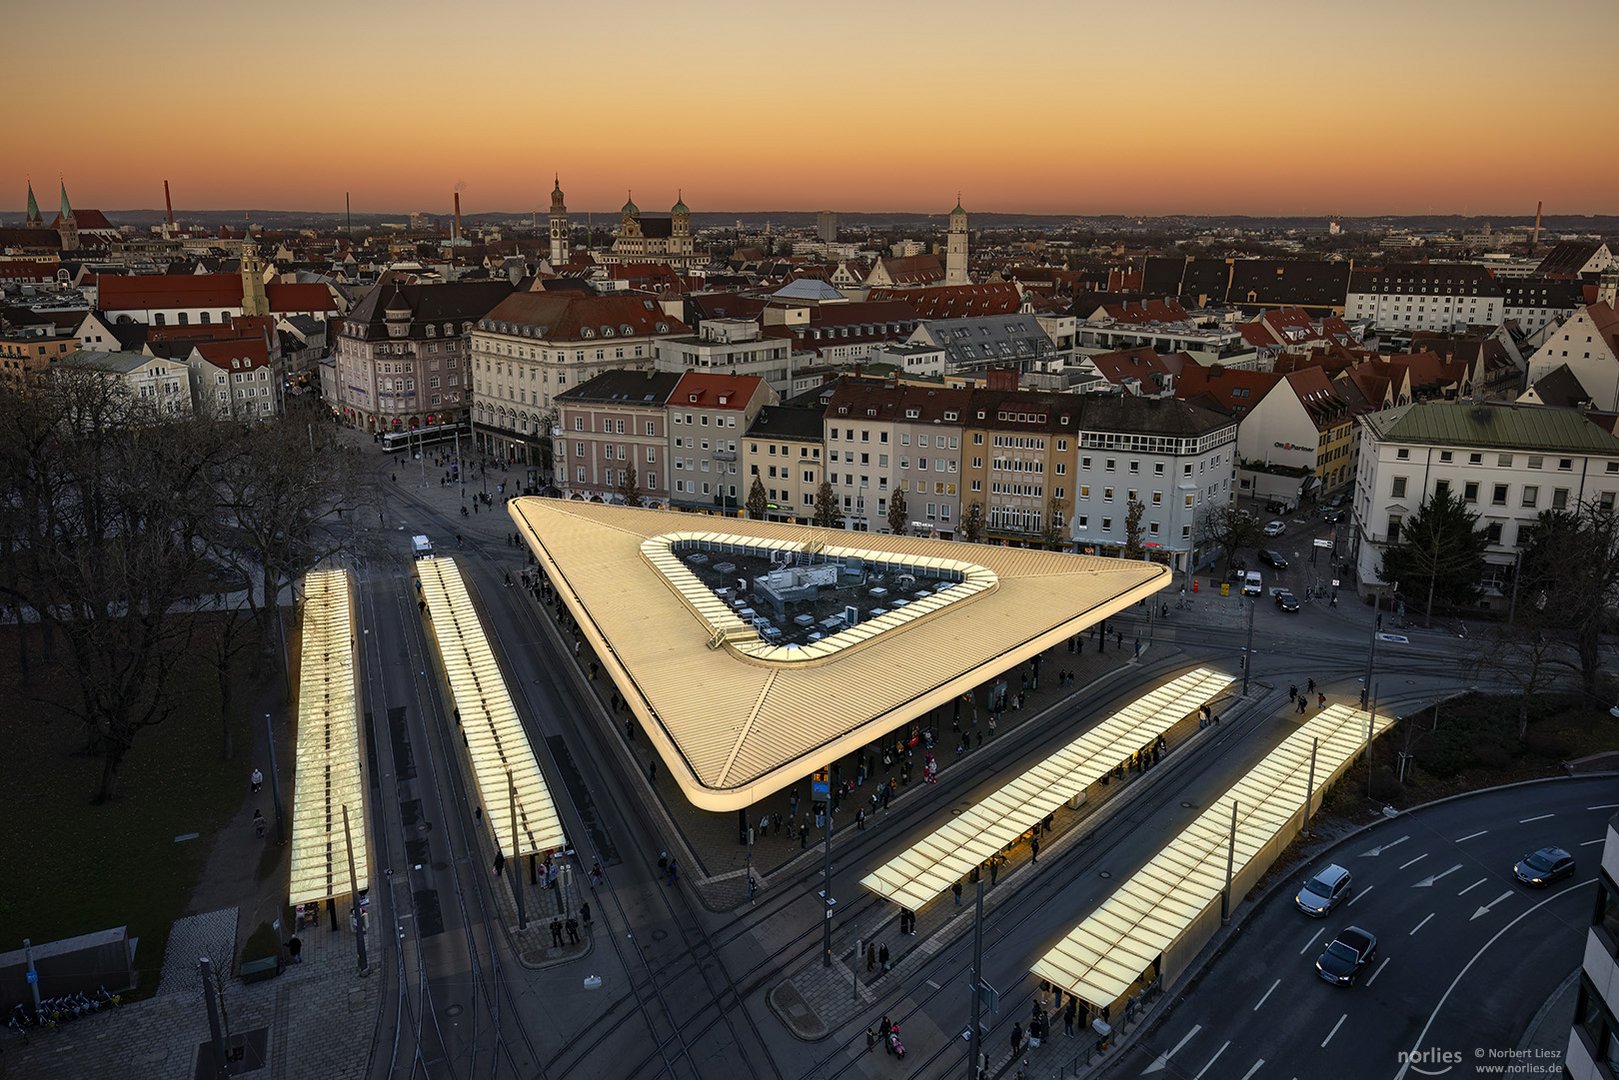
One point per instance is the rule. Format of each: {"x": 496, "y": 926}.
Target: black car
{"x": 1543, "y": 867}
{"x": 1345, "y": 955}
{"x": 1273, "y": 558}
{"x": 1332, "y": 517}
{"x": 1287, "y": 601}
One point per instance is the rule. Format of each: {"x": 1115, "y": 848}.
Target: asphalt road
{"x": 1465, "y": 953}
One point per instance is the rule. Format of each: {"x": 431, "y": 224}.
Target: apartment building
{"x": 709, "y": 416}
{"x": 609, "y": 424}
{"x": 1593, "y": 1047}
{"x": 783, "y": 449}
{"x": 1508, "y": 463}
{"x": 1425, "y": 296}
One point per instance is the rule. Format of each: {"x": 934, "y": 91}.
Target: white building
{"x": 1593, "y": 1046}
{"x": 1175, "y": 458}
{"x": 235, "y": 380}
{"x": 1507, "y": 462}
{"x": 732, "y": 346}
{"x": 919, "y": 361}
{"x": 158, "y": 383}
{"x": 533, "y": 346}
{"x": 955, "y": 252}
{"x": 1425, "y": 296}
{"x": 1589, "y": 344}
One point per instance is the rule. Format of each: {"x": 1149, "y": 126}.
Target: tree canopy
{"x": 757, "y": 504}
{"x": 1439, "y": 554}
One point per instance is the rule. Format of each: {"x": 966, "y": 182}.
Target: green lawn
{"x": 74, "y": 867}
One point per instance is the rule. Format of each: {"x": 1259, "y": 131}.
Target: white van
{"x": 1253, "y": 584}
{"x": 421, "y": 547}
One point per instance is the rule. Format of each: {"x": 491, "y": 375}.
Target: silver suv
{"x": 1324, "y": 892}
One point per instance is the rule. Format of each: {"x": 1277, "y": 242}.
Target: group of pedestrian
{"x": 1301, "y": 698}
{"x": 877, "y": 957}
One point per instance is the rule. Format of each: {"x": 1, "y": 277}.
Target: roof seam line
{"x": 747, "y": 726}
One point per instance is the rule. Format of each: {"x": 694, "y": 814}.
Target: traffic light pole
{"x": 826, "y": 921}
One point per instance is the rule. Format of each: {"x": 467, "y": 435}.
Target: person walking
{"x": 257, "y": 780}
{"x": 871, "y": 956}
{"x": 1310, "y": 686}
{"x": 882, "y": 958}
{"x": 1320, "y": 700}
{"x": 860, "y": 819}
{"x": 1034, "y": 849}
{"x": 956, "y": 891}
{"x": 1068, "y": 1016}
{"x": 1017, "y": 1037}
{"x": 500, "y": 863}
{"x": 556, "y": 933}
{"x": 803, "y": 835}
{"x": 1293, "y": 692}
{"x": 584, "y": 916}
{"x": 295, "y": 950}
{"x": 882, "y": 1032}
{"x": 674, "y": 872}
{"x": 573, "y": 931}
{"x": 258, "y": 823}
{"x": 596, "y": 876}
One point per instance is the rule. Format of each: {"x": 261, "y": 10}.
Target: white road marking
{"x": 1379, "y": 971}
{"x": 1485, "y": 910}
{"x": 1212, "y": 1060}
{"x": 1422, "y": 1036}
{"x": 1470, "y": 836}
{"x": 1414, "y": 861}
{"x": 1605, "y": 806}
{"x": 1588, "y": 843}
{"x": 1427, "y": 882}
{"x": 1360, "y": 894}
{"x": 1372, "y": 853}
{"x": 1527, "y": 820}
{"x": 1268, "y": 993}
{"x": 1253, "y": 1070}
{"x": 1419, "y": 925}
{"x": 1334, "y": 1030}
{"x": 1163, "y": 1059}
{"x": 1312, "y": 941}
{"x": 1473, "y": 886}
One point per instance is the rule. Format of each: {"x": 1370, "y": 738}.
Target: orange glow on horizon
{"x": 1255, "y": 107}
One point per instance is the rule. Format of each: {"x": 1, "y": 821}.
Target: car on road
{"x": 1273, "y": 558}
{"x": 1541, "y": 868}
{"x": 1341, "y": 962}
{"x": 1287, "y": 601}
{"x": 1253, "y": 584}
{"x": 1275, "y": 528}
{"x": 1332, "y": 517}
{"x": 1324, "y": 892}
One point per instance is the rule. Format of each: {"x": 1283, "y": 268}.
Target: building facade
{"x": 955, "y": 250}
{"x": 558, "y": 222}
{"x": 709, "y": 417}
{"x": 403, "y": 354}
{"x": 734, "y": 346}
{"x": 655, "y": 239}
{"x": 1508, "y": 463}
{"x": 533, "y": 346}
{"x": 156, "y": 383}
{"x": 783, "y": 451}
{"x": 609, "y": 425}
{"x": 1588, "y": 343}
{"x": 1593, "y": 1046}
{"x": 1425, "y": 296}
{"x": 234, "y": 380}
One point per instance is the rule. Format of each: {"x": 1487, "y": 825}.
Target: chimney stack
{"x": 168, "y": 205}
{"x": 455, "y": 230}
{"x": 1535, "y": 236}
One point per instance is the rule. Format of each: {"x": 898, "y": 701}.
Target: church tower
{"x": 955, "y": 252}
{"x": 67, "y": 226}
{"x": 35, "y": 220}
{"x": 254, "y": 302}
{"x": 680, "y": 231}
{"x": 559, "y": 228}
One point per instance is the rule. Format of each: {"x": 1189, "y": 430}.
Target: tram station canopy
{"x": 1169, "y": 909}
{"x": 925, "y": 870}
{"x": 495, "y": 739}
{"x": 327, "y": 778}
{"x": 856, "y": 633}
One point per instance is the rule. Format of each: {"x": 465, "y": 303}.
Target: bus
{"x": 395, "y": 441}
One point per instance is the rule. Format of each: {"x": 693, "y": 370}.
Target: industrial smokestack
{"x": 1535, "y": 236}
{"x": 168, "y": 204}
{"x": 455, "y": 230}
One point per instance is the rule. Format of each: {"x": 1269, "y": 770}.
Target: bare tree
{"x": 1571, "y": 568}
{"x": 826, "y": 506}
{"x": 972, "y": 521}
{"x": 757, "y": 503}
{"x": 899, "y": 517}
{"x": 1051, "y": 532}
{"x": 629, "y": 487}
{"x": 1529, "y": 657}
{"x": 1228, "y": 527}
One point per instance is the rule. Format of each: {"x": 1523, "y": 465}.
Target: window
{"x": 1499, "y": 497}
{"x": 1504, "y": 460}
{"x": 1534, "y": 461}
{"x": 1475, "y": 459}
{"x": 1605, "y": 500}
{"x": 1084, "y": 491}
{"x": 1445, "y": 455}
{"x": 1394, "y": 528}
{"x": 1492, "y": 532}
{"x": 1565, "y": 464}
{"x": 1402, "y": 454}
{"x": 1107, "y": 524}
{"x": 1399, "y": 488}
{"x": 1560, "y": 499}
{"x": 1470, "y": 491}
{"x": 1441, "y": 487}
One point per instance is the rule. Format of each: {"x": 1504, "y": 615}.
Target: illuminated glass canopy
{"x": 496, "y": 741}
{"x": 327, "y": 775}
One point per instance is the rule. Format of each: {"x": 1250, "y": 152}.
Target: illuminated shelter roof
{"x": 931, "y": 865}
{"x": 1101, "y": 958}
{"x": 734, "y": 717}
{"x": 327, "y": 775}
{"x": 496, "y": 741}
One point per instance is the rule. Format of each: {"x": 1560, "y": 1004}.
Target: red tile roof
{"x": 87, "y": 219}
{"x": 955, "y": 301}
{"x": 715, "y": 390}
{"x": 297, "y": 296}
{"x": 1140, "y": 363}
{"x": 244, "y": 355}
{"x": 1234, "y": 392}
{"x": 1147, "y": 311}
{"x": 141, "y": 292}
{"x": 569, "y": 316}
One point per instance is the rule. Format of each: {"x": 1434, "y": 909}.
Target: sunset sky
{"x": 1076, "y": 107}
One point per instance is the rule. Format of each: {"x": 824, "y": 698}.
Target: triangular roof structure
{"x": 734, "y": 709}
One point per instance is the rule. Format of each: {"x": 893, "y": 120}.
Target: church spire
{"x": 35, "y": 220}
{"x": 67, "y": 210}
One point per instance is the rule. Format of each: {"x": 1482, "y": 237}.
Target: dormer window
{"x": 431, "y": 330}
{"x": 692, "y": 398}
{"x": 627, "y": 330}
{"x": 586, "y": 332}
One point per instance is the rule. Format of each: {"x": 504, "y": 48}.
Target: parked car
{"x": 1275, "y": 528}
{"x": 1287, "y": 601}
{"x": 1341, "y": 962}
{"x": 1273, "y": 558}
{"x": 1324, "y": 892}
{"x": 1541, "y": 868}
{"x": 1253, "y": 584}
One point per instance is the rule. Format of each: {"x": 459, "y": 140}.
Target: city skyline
{"x": 1273, "y": 110}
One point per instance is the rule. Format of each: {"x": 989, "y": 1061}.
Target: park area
{"x": 76, "y": 866}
